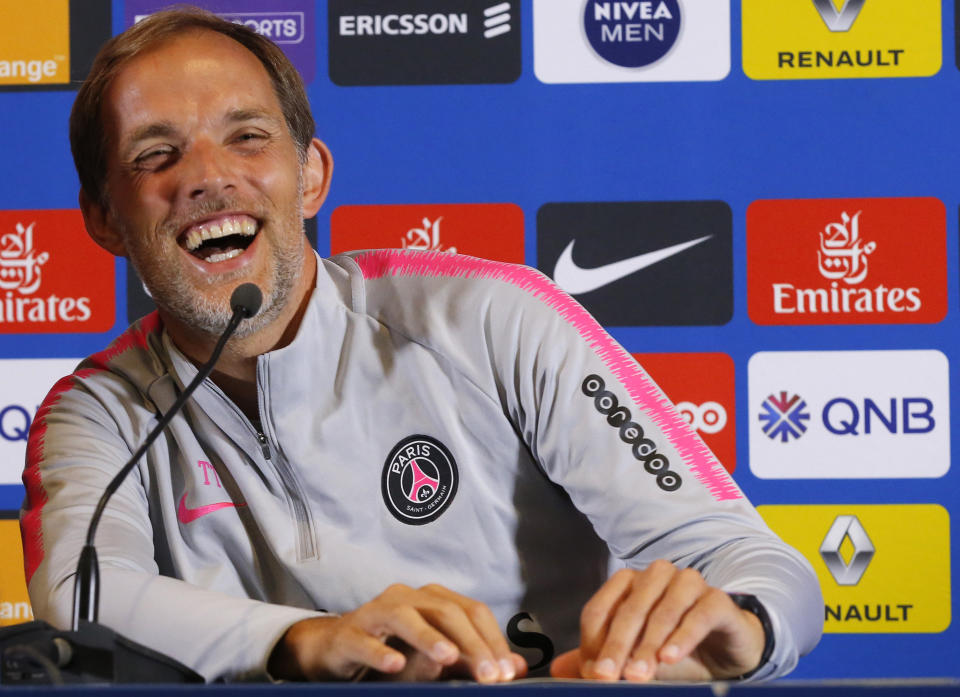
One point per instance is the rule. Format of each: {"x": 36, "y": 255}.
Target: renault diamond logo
{"x": 842, "y": 19}
{"x": 847, "y": 573}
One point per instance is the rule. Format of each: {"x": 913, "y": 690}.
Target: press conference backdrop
{"x": 758, "y": 198}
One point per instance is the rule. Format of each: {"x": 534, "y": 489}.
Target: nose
{"x": 206, "y": 171}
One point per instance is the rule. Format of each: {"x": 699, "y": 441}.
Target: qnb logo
{"x": 15, "y": 422}
{"x": 842, "y": 19}
{"x": 496, "y": 20}
{"x": 632, "y": 34}
{"x": 784, "y": 417}
{"x": 842, "y": 416}
{"x": 426, "y": 237}
{"x": 844, "y": 572}
{"x": 631, "y": 433}
{"x": 843, "y": 258}
{"x": 709, "y": 417}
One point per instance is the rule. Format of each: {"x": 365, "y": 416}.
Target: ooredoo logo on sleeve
{"x": 847, "y": 261}
{"x": 53, "y": 277}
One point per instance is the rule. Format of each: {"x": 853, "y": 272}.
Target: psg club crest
{"x": 419, "y": 480}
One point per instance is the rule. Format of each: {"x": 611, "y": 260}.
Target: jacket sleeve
{"x": 601, "y": 429}
{"x": 75, "y": 448}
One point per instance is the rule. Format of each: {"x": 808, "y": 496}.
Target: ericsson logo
{"x": 784, "y": 417}
{"x": 424, "y": 42}
{"x": 847, "y": 261}
{"x": 862, "y": 414}
{"x": 846, "y": 528}
{"x": 882, "y": 568}
{"x": 632, "y": 34}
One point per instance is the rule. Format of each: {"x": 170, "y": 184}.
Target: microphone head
{"x": 246, "y": 299}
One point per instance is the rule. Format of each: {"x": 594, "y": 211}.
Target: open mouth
{"x": 219, "y": 240}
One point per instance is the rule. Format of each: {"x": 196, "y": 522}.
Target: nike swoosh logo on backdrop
{"x": 575, "y": 279}
{"x": 188, "y": 515}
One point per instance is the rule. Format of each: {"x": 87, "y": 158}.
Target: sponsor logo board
{"x": 636, "y": 41}
{"x": 288, "y": 23}
{"x": 487, "y": 230}
{"x": 14, "y": 601}
{"x": 882, "y": 568}
{"x": 849, "y": 414}
{"x": 847, "y": 261}
{"x": 139, "y": 302}
{"x": 424, "y": 42}
{"x": 53, "y": 277}
{"x": 701, "y": 387}
{"x": 50, "y": 44}
{"x": 26, "y": 382}
{"x": 641, "y": 263}
{"x": 816, "y": 39}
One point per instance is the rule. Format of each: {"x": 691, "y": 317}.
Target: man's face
{"x": 203, "y": 179}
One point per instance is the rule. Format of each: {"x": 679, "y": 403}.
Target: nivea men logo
{"x": 842, "y": 19}
{"x": 422, "y": 42}
{"x": 631, "y": 433}
{"x": 632, "y": 34}
{"x": 419, "y": 480}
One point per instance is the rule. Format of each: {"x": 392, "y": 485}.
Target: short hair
{"x": 88, "y": 139}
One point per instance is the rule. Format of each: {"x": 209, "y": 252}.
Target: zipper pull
{"x": 264, "y": 446}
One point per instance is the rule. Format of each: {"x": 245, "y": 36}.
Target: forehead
{"x": 187, "y": 80}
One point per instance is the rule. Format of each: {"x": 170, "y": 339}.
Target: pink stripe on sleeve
{"x": 701, "y": 462}
{"x": 31, "y": 528}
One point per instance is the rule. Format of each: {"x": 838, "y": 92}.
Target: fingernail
{"x": 392, "y": 663}
{"x": 507, "y": 671}
{"x": 487, "y": 671}
{"x": 606, "y": 668}
{"x": 637, "y": 670}
{"x": 443, "y": 651}
{"x": 670, "y": 652}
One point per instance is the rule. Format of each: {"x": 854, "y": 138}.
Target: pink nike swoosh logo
{"x": 188, "y": 515}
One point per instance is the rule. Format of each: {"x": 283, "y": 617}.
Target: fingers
{"x": 642, "y": 622}
{"x": 449, "y": 628}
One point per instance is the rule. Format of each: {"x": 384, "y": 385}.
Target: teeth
{"x": 230, "y": 226}
{"x": 214, "y": 258}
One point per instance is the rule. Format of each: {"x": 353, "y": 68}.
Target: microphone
{"x": 36, "y": 653}
{"x": 245, "y": 303}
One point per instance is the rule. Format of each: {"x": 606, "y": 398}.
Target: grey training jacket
{"x": 437, "y": 419}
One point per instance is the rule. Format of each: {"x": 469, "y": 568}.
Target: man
{"x": 400, "y": 458}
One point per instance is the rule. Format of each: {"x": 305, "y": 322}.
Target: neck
{"x": 236, "y": 372}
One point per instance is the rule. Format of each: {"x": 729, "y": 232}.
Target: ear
{"x": 97, "y": 220}
{"x": 317, "y": 171}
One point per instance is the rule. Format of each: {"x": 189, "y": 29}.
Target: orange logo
{"x": 701, "y": 387}
{"x": 14, "y": 603}
{"x": 847, "y": 261}
{"x": 488, "y": 230}
{"x": 53, "y": 277}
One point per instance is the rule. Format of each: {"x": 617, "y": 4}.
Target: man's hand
{"x": 662, "y": 623}
{"x": 434, "y": 631}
